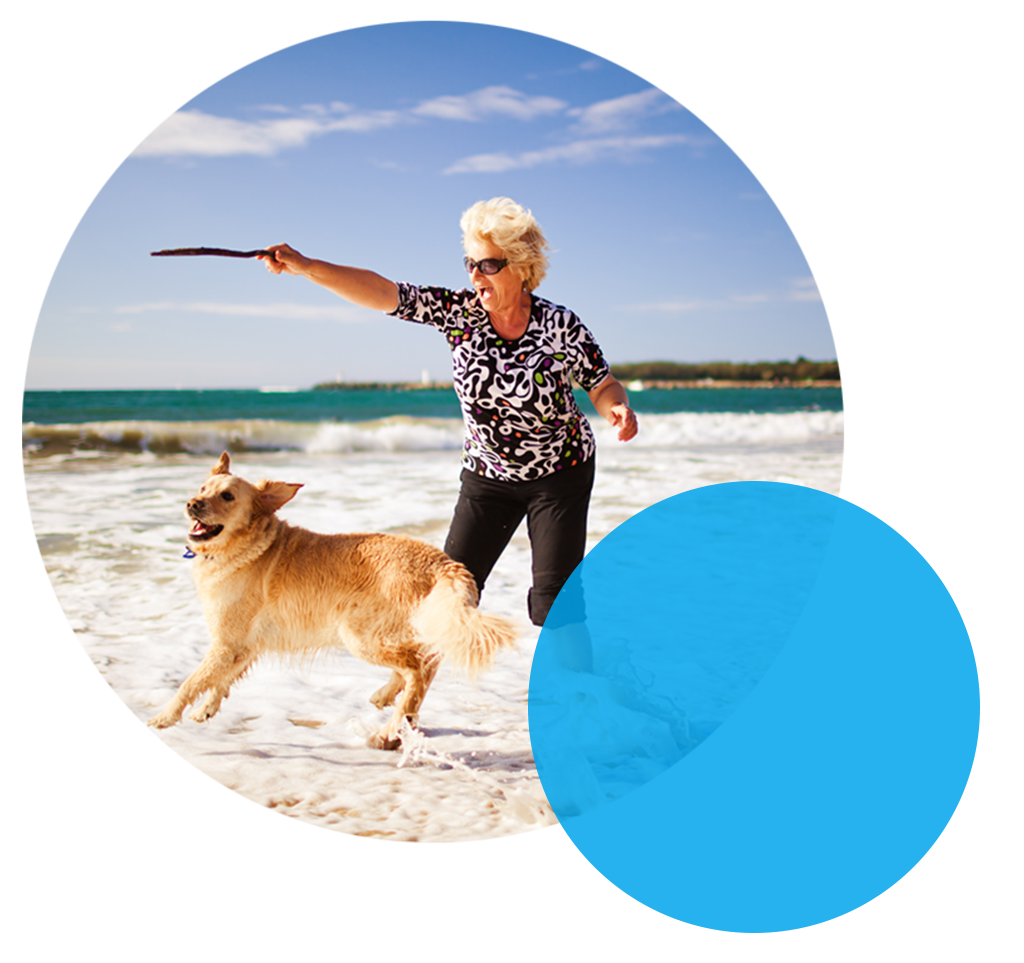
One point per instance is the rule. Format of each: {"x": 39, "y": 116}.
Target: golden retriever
{"x": 270, "y": 587}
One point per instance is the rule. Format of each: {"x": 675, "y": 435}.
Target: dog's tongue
{"x": 197, "y": 529}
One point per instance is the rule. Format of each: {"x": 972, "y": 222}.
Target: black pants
{"x": 488, "y": 513}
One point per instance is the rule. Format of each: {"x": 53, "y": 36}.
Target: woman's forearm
{"x": 356, "y": 285}
{"x": 610, "y": 392}
{"x": 365, "y": 288}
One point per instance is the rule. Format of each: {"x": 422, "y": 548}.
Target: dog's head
{"x": 228, "y": 506}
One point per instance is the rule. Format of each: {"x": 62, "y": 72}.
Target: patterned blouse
{"x": 521, "y": 419}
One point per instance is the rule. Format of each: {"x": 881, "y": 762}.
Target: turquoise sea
{"x": 51, "y": 407}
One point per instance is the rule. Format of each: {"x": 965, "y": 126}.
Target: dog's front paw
{"x": 206, "y": 711}
{"x": 164, "y": 721}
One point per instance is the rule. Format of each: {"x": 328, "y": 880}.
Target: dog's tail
{"x": 448, "y": 622}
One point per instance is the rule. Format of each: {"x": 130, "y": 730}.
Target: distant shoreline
{"x": 799, "y": 374}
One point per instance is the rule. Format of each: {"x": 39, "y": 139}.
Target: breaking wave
{"x": 402, "y": 434}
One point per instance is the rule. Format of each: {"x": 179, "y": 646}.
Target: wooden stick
{"x": 217, "y": 251}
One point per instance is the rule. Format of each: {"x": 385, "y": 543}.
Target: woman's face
{"x": 498, "y": 293}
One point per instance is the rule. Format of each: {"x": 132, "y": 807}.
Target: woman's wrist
{"x": 311, "y": 269}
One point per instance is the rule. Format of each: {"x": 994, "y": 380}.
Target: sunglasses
{"x": 489, "y": 265}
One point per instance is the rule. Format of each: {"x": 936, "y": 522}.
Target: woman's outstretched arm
{"x": 357, "y": 285}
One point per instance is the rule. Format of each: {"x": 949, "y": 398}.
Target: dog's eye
{"x": 227, "y": 496}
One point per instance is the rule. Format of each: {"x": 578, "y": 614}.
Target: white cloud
{"x": 490, "y": 101}
{"x": 576, "y": 152}
{"x": 196, "y": 133}
{"x": 483, "y": 164}
{"x": 143, "y": 308}
{"x": 801, "y": 289}
{"x": 669, "y": 307}
{"x": 284, "y": 310}
{"x": 804, "y": 289}
{"x": 156, "y": 133}
{"x": 621, "y": 113}
{"x": 723, "y": 303}
{"x": 364, "y": 120}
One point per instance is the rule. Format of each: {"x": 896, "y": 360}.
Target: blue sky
{"x": 363, "y": 148}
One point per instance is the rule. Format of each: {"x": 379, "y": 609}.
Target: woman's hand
{"x": 609, "y": 398}
{"x": 622, "y": 417}
{"x": 365, "y": 288}
{"x": 286, "y": 260}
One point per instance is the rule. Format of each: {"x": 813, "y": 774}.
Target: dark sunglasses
{"x": 489, "y": 265}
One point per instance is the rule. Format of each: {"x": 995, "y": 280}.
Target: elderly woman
{"x": 529, "y": 450}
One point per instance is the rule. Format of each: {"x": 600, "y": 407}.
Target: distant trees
{"x": 804, "y": 370}
{"x": 773, "y": 371}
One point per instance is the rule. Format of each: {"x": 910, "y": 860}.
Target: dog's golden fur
{"x": 270, "y": 587}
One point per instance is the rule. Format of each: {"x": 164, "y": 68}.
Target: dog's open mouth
{"x": 203, "y": 533}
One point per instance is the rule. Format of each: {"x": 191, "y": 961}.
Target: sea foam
{"x": 401, "y": 433}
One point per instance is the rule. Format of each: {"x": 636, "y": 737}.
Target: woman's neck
{"x": 513, "y": 324}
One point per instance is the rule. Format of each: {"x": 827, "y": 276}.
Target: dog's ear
{"x": 272, "y": 495}
{"x": 223, "y": 467}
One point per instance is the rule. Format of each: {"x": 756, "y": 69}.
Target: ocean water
{"x": 167, "y": 422}
{"x": 108, "y": 474}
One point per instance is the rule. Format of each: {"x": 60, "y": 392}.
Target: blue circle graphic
{"x": 756, "y": 707}
{"x": 674, "y": 618}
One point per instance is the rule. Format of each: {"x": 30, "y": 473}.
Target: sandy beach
{"x": 109, "y": 530}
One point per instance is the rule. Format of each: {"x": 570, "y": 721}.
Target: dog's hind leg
{"x": 430, "y": 667}
{"x": 416, "y": 680}
{"x": 385, "y": 696}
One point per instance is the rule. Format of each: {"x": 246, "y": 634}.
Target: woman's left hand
{"x": 622, "y": 417}
{"x": 609, "y": 398}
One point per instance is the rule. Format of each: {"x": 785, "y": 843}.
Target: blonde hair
{"x": 515, "y": 230}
